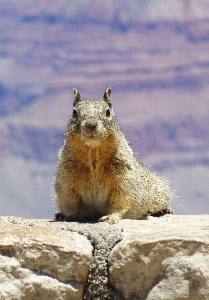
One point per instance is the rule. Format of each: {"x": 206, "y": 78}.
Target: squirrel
{"x": 98, "y": 177}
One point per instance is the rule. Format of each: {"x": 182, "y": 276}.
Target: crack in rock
{"x": 103, "y": 238}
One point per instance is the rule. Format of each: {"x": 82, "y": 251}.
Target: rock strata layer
{"x": 159, "y": 258}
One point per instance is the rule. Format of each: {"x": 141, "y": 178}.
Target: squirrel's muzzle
{"x": 91, "y": 125}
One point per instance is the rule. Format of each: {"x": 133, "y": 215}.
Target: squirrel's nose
{"x": 91, "y": 126}
{"x": 91, "y": 123}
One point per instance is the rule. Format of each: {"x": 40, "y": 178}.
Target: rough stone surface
{"x": 160, "y": 258}
{"x": 165, "y": 258}
{"x": 102, "y": 236}
{"x": 39, "y": 263}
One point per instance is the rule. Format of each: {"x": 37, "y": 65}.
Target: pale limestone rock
{"x": 163, "y": 258}
{"x": 184, "y": 278}
{"x": 42, "y": 263}
{"x": 21, "y": 283}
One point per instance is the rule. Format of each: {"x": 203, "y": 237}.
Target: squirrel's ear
{"x": 107, "y": 98}
{"x": 77, "y": 97}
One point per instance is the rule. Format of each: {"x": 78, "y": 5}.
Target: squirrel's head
{"x": 93, "y": 120}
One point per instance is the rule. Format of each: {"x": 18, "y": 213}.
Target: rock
{"x": 162, "y": 258}
{"x": 21, "y": 283}
{"x": 42, "y": 263}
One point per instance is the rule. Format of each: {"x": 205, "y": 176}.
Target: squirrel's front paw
{"x": 111, "y": 219}
{"x": 59, "y": 216}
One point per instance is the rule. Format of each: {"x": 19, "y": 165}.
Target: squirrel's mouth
{"x": 91, "y": 137}
{"x": 93, "y": 141}
{"x": 91, "y": 134}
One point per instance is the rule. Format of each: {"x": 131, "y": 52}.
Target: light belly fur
{"x": 94, "y": 193}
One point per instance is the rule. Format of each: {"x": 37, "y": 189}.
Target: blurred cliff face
{"x": 154, "y": 56}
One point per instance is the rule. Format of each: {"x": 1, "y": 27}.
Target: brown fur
{"x": 98, "y": 176}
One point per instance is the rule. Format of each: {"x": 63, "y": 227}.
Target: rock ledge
{"x": 159, "y": 258}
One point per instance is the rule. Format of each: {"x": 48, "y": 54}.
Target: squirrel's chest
{"x": 94, "y": 186}
{"x": 93, "y": 177}
{"x": 94, "y": 191}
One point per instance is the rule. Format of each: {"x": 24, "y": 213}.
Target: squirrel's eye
{"x": 74, "y": 113}
{"x": 108, "y": 113}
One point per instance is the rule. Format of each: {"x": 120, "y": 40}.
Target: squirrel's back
{"x": 98, "y": 176}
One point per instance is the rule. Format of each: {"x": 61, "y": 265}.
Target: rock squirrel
{"x": 98, "y": 177}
